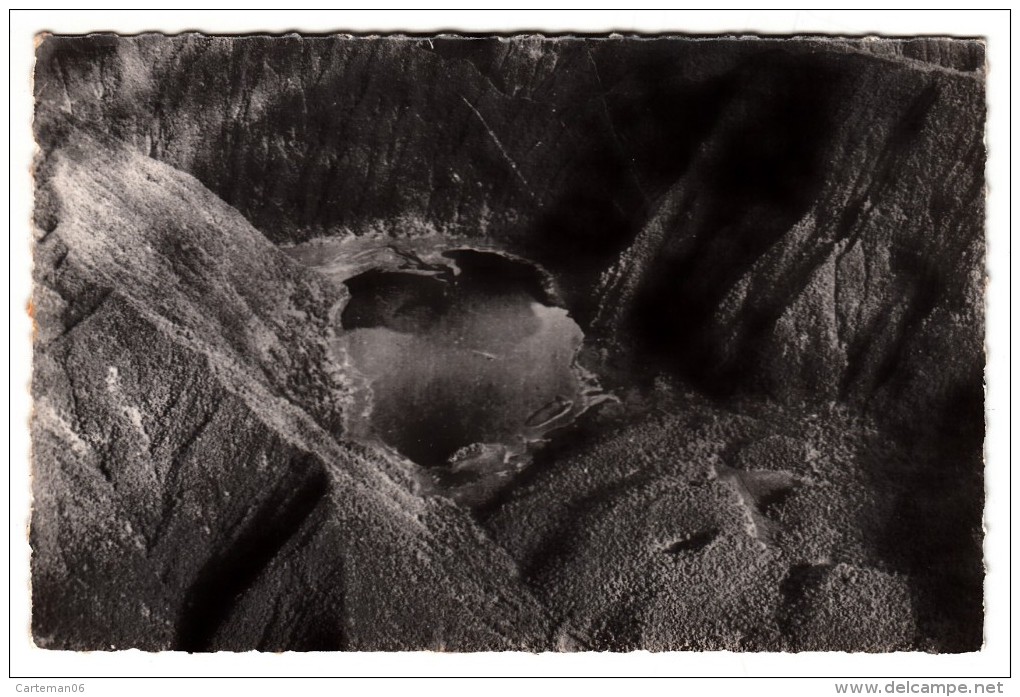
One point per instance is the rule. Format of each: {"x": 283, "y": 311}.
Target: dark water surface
{"x": 472, "y": 354}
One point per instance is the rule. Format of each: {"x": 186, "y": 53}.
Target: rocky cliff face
{"x": 775, "y": 250}
{"x": 187, "y": 466}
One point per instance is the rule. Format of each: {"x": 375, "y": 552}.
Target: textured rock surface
{"x": 179, "y": 465}
{"x": 775, "y": 250}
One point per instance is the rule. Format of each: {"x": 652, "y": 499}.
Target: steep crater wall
{"x": 727, "y": 198}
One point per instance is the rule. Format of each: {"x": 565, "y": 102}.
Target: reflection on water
{"x": 466, "y": 364}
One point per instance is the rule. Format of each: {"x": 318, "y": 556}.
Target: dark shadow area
{"x": 692, "y": 543}
{"x": 762, "y": 168}
{"x": 936, "y": 533}
{"x": 214, "y": 593}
